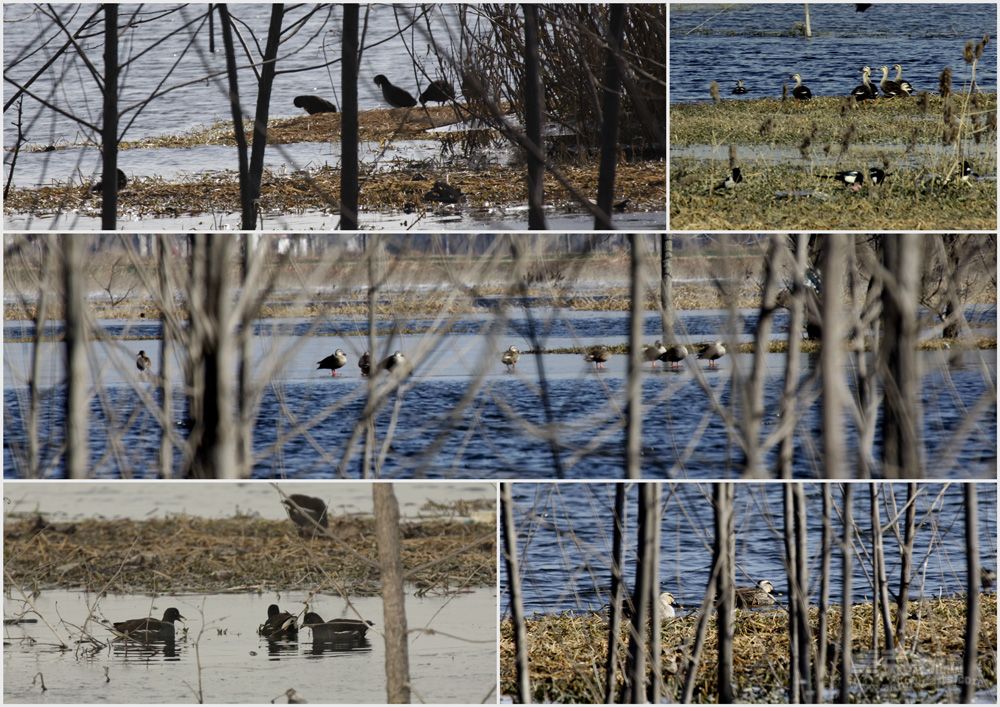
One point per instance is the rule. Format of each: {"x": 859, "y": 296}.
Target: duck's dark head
{"x": 381, "y": 79}
{"x": 273, "y": 610}
{"x": 311, "y": 618}
{"x": 171, "y": 615}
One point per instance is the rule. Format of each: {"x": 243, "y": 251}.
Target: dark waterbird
{"x": 598, "y": 355}
{"x": 143, "y": 362}
{"x": 394, "y": 362}
{"x": 279, "y": 624}
{"x": 712, "y": 353}
{"x": 730, "y": 182}
{"x": 338, "y": 359}
{"x": 306, "y": 512}
{"x": 444, "y": 193}
{"x": 439, "y": 91}
{"x": 122, "y": 181}
{"x": 801, "y": 92}
{"x": 866, "y": 91}
{"x": 739, "y": 89}
{"x": 674, "y": 355}
{"x": 394, "y": 95}
{"x": 749, "y": 597}
{"x": 314, "y": 104}
{"x": 336, "y": 630}
{"x": 890, "y": 88}
{"x": 149, "y": 630}
{"x": 365, "y": 364}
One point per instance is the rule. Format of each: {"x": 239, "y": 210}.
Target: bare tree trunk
{"x": 610, "y": 107}
{"x": 165, "y": 380}
{"x": 397, "y": 658}
{"x": 701, "y": 630}
{"x": 723, "y": 493}
{"x": 514, "y": 587}
{"x": 349, "y": 122}
{"x": 801, "y": 593}
{"x": 754, "y": 403}
{"x": 667, "y": 287}
{"x": 906, "y": 564}
{"x": 796, "y": 315}
{"x": 245, "y": 396}
{"x": 262, "y": 111}
{"x": 534, "y": 119}
{"x": 824, "y": 594}
{"x": 972, "y": 580}
{"x": 633, "y": 416}
{"x": 45, "y": 288}
{"x": 656, "y": 686}
{"x": 77, "y": 385}
{"x": 831, "y": 356}
{"x": 617, "y": 592}
{"x": 791, "y": 567}
{"x": 902, "y": 417}
{"x": 109, "y": 128}
{"x": 248, "y": 216}
{"x": 879, "y": 574}
{"x": 646, "y": 558}
{"x": 847, "y": 554}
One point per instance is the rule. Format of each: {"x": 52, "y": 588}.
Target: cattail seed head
{"x": 944, "y": 84}
{"x": 713, "y": 88}
{"x": 970, "y": 52}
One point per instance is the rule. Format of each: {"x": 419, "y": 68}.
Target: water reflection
{"x": 135, "y": 652}
{"x": 344, "y": 644}
{"x": 284, "y": 647}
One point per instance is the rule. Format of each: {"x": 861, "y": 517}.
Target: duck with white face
{"x": 739, "y": 89}
{"x": 890, "y": 88}
{"x": 801, "y": 92}
{"x": 510, "y": 357}
{"x": 750, "y": 597}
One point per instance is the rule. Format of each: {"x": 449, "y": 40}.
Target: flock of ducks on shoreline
{"x": 438, "y": 91}
{"x": 866, "y": 91}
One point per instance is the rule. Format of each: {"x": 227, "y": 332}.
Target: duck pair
{"x": 668, "y": 354}
{"x": 438, "y": 91}
{"x": 746, "y": 598}
{"x": 282, "y": 625}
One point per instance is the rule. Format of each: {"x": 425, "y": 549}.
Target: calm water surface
{"x": 456, "y": 663}
{"x": 759, "y": 43}
{"x": 565, "y": 534}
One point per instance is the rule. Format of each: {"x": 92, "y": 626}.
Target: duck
{"x": 306, "y": 512}
{"x": 761, "y": 595}
{"x": 712, "y": 352}
{"x": 279, "y": 624}
{"x": 338, "y": 359}
{"x": 730, "y": 182}
{"x": 444, "y": 193}
{"x": 652, "y": 353}
{"x": 143, "y": 362}
{"x": 905, "y": 85}
{"x": 510, "y": 357}
{"x": 866, "y": 91}
{"x": 122, "y": 181}
{"x": 439, "y": 91}
{"x": 394, "y": 362}
{"x": 739, "y": 89}
{"x": 149, "y": 630}
{"x": 598, "y": 355}
{"x": 674, "y": 355}
{"x": 801, "y": 92}
{"x": 394, "y": 95}
{"x": 336, "y": 630}
{"x": 890, "y": 88}
{"x": 365, "y": 364}
{"x": 314, "y": 104}
{"x": 667, "y": 606}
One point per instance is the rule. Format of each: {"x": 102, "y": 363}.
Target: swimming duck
{"x": 304, "y": 510}
{"x": 314, "y": 104}
{"x": 652, "y": 353}
{"x": 279, "y": 624}
{"x": 336, "y": 630}
{"x": 394, "y": 95}
{"x": 439, "y": 91}
{"x": 122, "y": 181}
{"x": 598, "y": 355}
{"x": 712, "y": 352}
{"x": 667, "y": 606}
{"x": 866, "y": 91}
{"x": 674, "y": 355}
{"x": 510, "y": 357}
{"x": 890, "y": 88}
{"x": 905, "y": 85}
{"x": 149, "y": 630}
{"x": 143, "y": 362}
{"x": 739, "y": 89}
{"x": 748, "y": 597}
{"x": 801, "y": 92}
{"x": 730, "y": 182}
{"x": 365, "y": 364}
{"x": 338, "y": 359}
{"x": 392, "y": 363}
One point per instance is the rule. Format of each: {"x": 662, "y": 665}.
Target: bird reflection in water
{"x": 137, "y": 652}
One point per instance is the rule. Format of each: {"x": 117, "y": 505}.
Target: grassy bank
{"x": 243, "y": 553}
{"x": 769, "y": 121}
{"x": 567, "y": 655}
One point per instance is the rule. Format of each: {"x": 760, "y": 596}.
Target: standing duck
{"x": 905, "y": 85}
{"x": 338, "y": 359}
{"x": 306, "y": 512}
{"x": 510, "y": 357}
{"x": 739, "y": 89}
{"x": 365, "y": 364}
{"x": 866, "y": 91}
{"x": 652, "y": 353}
{"x": 392, "y": 363}
{"x": 598, "y": 355}
{"x": 149, "y": 630}
{"x": 394, "y": 95}
{"x": 439, "y": 91}
{"x": 143, "y": 362}
{"x": 674, "y": 355}
{"x": 314, "y": 104}
{"x": 279, "y": 624}
{"x": 712, "y": 352}
{"x": 801, "y": 92}
{"x": 890, "y": 88}
{"x": 749, "y": 597}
